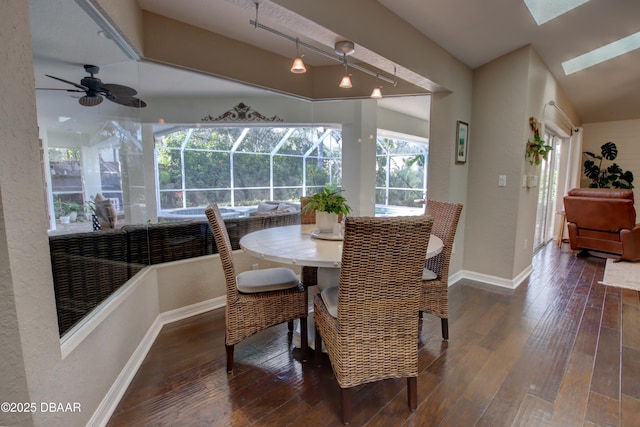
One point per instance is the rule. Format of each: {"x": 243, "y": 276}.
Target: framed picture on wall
{"x": 462, "y": 141}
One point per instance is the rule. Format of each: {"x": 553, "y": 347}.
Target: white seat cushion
{"x": 268, "y": 279}
{"x": 428, "y": 274}
{"x": 330, "y": 298}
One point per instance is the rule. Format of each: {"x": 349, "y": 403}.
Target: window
{"x": 66, "y": 180}
{"x": 401, "y": 173}
{"x": 241, "y": 166}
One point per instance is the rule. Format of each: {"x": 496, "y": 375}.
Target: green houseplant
{"x": 537, "y": 148}
{"x": 328, "y": 204}
{"x": 606, "y": 177}
{"x": 66, "y": 211}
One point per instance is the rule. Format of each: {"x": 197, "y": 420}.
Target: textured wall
{"x": 22, "y": 223}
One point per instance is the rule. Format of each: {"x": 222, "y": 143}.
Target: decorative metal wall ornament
{"x": 241, "y": 113}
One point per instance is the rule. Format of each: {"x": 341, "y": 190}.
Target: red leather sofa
{"x": 603, "y": 219}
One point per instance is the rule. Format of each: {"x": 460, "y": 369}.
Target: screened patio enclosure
{"x": 241, "y": 166}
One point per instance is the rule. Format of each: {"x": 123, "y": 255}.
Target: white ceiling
{"x": 476, "y": 32}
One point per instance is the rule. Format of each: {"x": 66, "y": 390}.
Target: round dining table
{"x": 295, "y": 245}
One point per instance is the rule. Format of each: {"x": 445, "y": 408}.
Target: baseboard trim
{"x": 492, "y": 280}
{"x": 109, "y": 403}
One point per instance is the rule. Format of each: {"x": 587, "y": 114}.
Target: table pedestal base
{"x": 311, "y": 327}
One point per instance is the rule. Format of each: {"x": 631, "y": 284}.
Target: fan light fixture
{"x": 343, "y": 48}
{"x": 90, "y": 101}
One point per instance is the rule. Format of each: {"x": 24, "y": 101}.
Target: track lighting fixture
{"x": 298, "y": 66}
{"x": 345, "y": 83}
{"x": 376, "y": 92}
{"x": 342, "y": 49}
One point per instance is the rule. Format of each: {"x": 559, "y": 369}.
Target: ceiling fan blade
{"x": 128, "y": 101}
{"x": 119, "y": 90}
{"x": 90, "y": 101}
{"x": 55, "y": 88}
{"x": 68, "y": 82}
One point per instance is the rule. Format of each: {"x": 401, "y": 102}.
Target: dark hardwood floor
{"x": 561, "y": 350}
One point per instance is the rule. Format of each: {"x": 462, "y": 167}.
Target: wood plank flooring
{"x": 561, "y": 350}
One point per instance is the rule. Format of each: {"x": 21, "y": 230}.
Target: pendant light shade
{"x": 345, "y": 83}
{"x": 298, "y": 66}
{"x": 376, "y": 93}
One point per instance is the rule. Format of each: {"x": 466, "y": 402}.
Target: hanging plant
{"x": 537, "y": 148}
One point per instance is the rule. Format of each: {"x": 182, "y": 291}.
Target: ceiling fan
{"x": 95, "y": 90}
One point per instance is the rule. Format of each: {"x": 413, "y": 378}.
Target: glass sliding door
{"x": 547, "y": 190}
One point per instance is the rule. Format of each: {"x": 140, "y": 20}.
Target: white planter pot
{"x": 65, "y": 219}
{"x": 326, "y": 221}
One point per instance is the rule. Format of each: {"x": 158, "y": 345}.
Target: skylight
{"x": 546, "y": 10}
{"x": 601, "y": 54}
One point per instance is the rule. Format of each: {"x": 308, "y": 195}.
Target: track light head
{"x": 298, "y": 66}
{"x": 345, "y": 83}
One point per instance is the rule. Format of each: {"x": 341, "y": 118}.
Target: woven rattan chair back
{"x": 308, "y": 217}
{"x": 375, "y": 334}
{"x": 434, "y": 300}
{"x": 225, "y": 250}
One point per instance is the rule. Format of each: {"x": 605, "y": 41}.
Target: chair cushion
{"x": 330, "y": 298}
{"x": 428, "y": 275}
{"x": 268, "y": 279}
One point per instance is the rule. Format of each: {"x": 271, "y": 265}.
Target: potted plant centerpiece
{"x": 328, "y": 205}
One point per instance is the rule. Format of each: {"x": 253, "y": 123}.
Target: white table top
{"x": 294, "y": 245}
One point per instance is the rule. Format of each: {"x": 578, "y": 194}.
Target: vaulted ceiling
{"x": 474, "y": 32}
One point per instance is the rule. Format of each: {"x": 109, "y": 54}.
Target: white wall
{"x": 507, "y": 91}
{"x": 27, "y": 310}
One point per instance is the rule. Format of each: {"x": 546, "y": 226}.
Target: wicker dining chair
{"x": 256, "y": 299}
{"x": 435, "y": 283}
{"x": 369, "y": 322}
